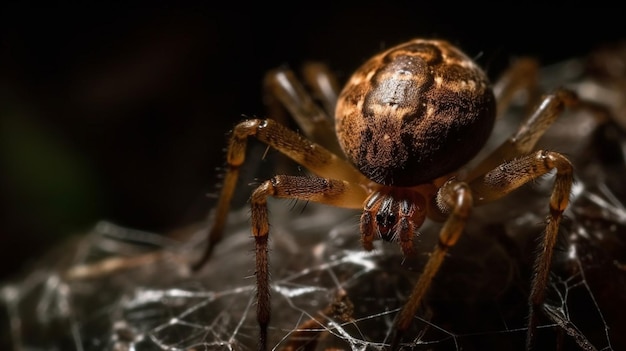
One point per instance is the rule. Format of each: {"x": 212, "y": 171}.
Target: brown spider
{"x": 408, "y": 121}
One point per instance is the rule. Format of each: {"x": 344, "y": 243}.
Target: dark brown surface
{"x": 399, "y": 114}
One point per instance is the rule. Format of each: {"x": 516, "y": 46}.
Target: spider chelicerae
{"x": 407, "y": 124}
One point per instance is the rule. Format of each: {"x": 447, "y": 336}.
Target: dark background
{"x": 119, "y": 112}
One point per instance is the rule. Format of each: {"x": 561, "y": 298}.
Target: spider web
{"x": 121, "y": 289}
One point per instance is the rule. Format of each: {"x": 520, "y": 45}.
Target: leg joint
{"x": 556, "y": 160}
{"x": 261, "y": 193}
{"x": 248, "y": 128}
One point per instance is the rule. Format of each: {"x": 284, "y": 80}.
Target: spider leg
{"x": 524, "y": 139}
{"x": 322, "y": 190}
{"x": 521, "y": 76}
{"x": 457, "y": 199}
{"x": 323, "y": 84}
{"x": 284, "y": 90}
{"x": 510, "y": 176}
{"x": 527, "y": 135}
{"x": 491, "y": 179}
{"x": 312, "y": 156}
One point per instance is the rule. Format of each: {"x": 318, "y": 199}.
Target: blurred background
{"x": 120, "y": 112}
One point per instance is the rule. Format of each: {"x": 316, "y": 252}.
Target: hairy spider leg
{"x": 491, "y": 180}
{"x": 284, "y": 91}
{"x": 535, "y": 125}
{"x": 323, "y": 84}
{"x": 347, "y": 193}
{"x": 318, "y": 156}
{"x": 510, "y": 176}
{"x": 322, "y": 190}
{"x": 521, "y": 77}
{"x": 306, "y": 153}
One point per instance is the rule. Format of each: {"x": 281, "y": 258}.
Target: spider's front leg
{"x": 312, "y": 156}
{"x": 510, "y": 176}
{"x": 327, "y": 191}
{"x": 490, "y": 179}
{"x": 455, "y": 200}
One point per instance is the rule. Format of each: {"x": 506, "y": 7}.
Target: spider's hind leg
{"x": 283, "y": 91}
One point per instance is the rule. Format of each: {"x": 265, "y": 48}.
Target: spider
{"x": 407, "y": 124}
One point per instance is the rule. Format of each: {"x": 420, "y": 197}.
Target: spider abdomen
{"x": 414, "y": 112}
